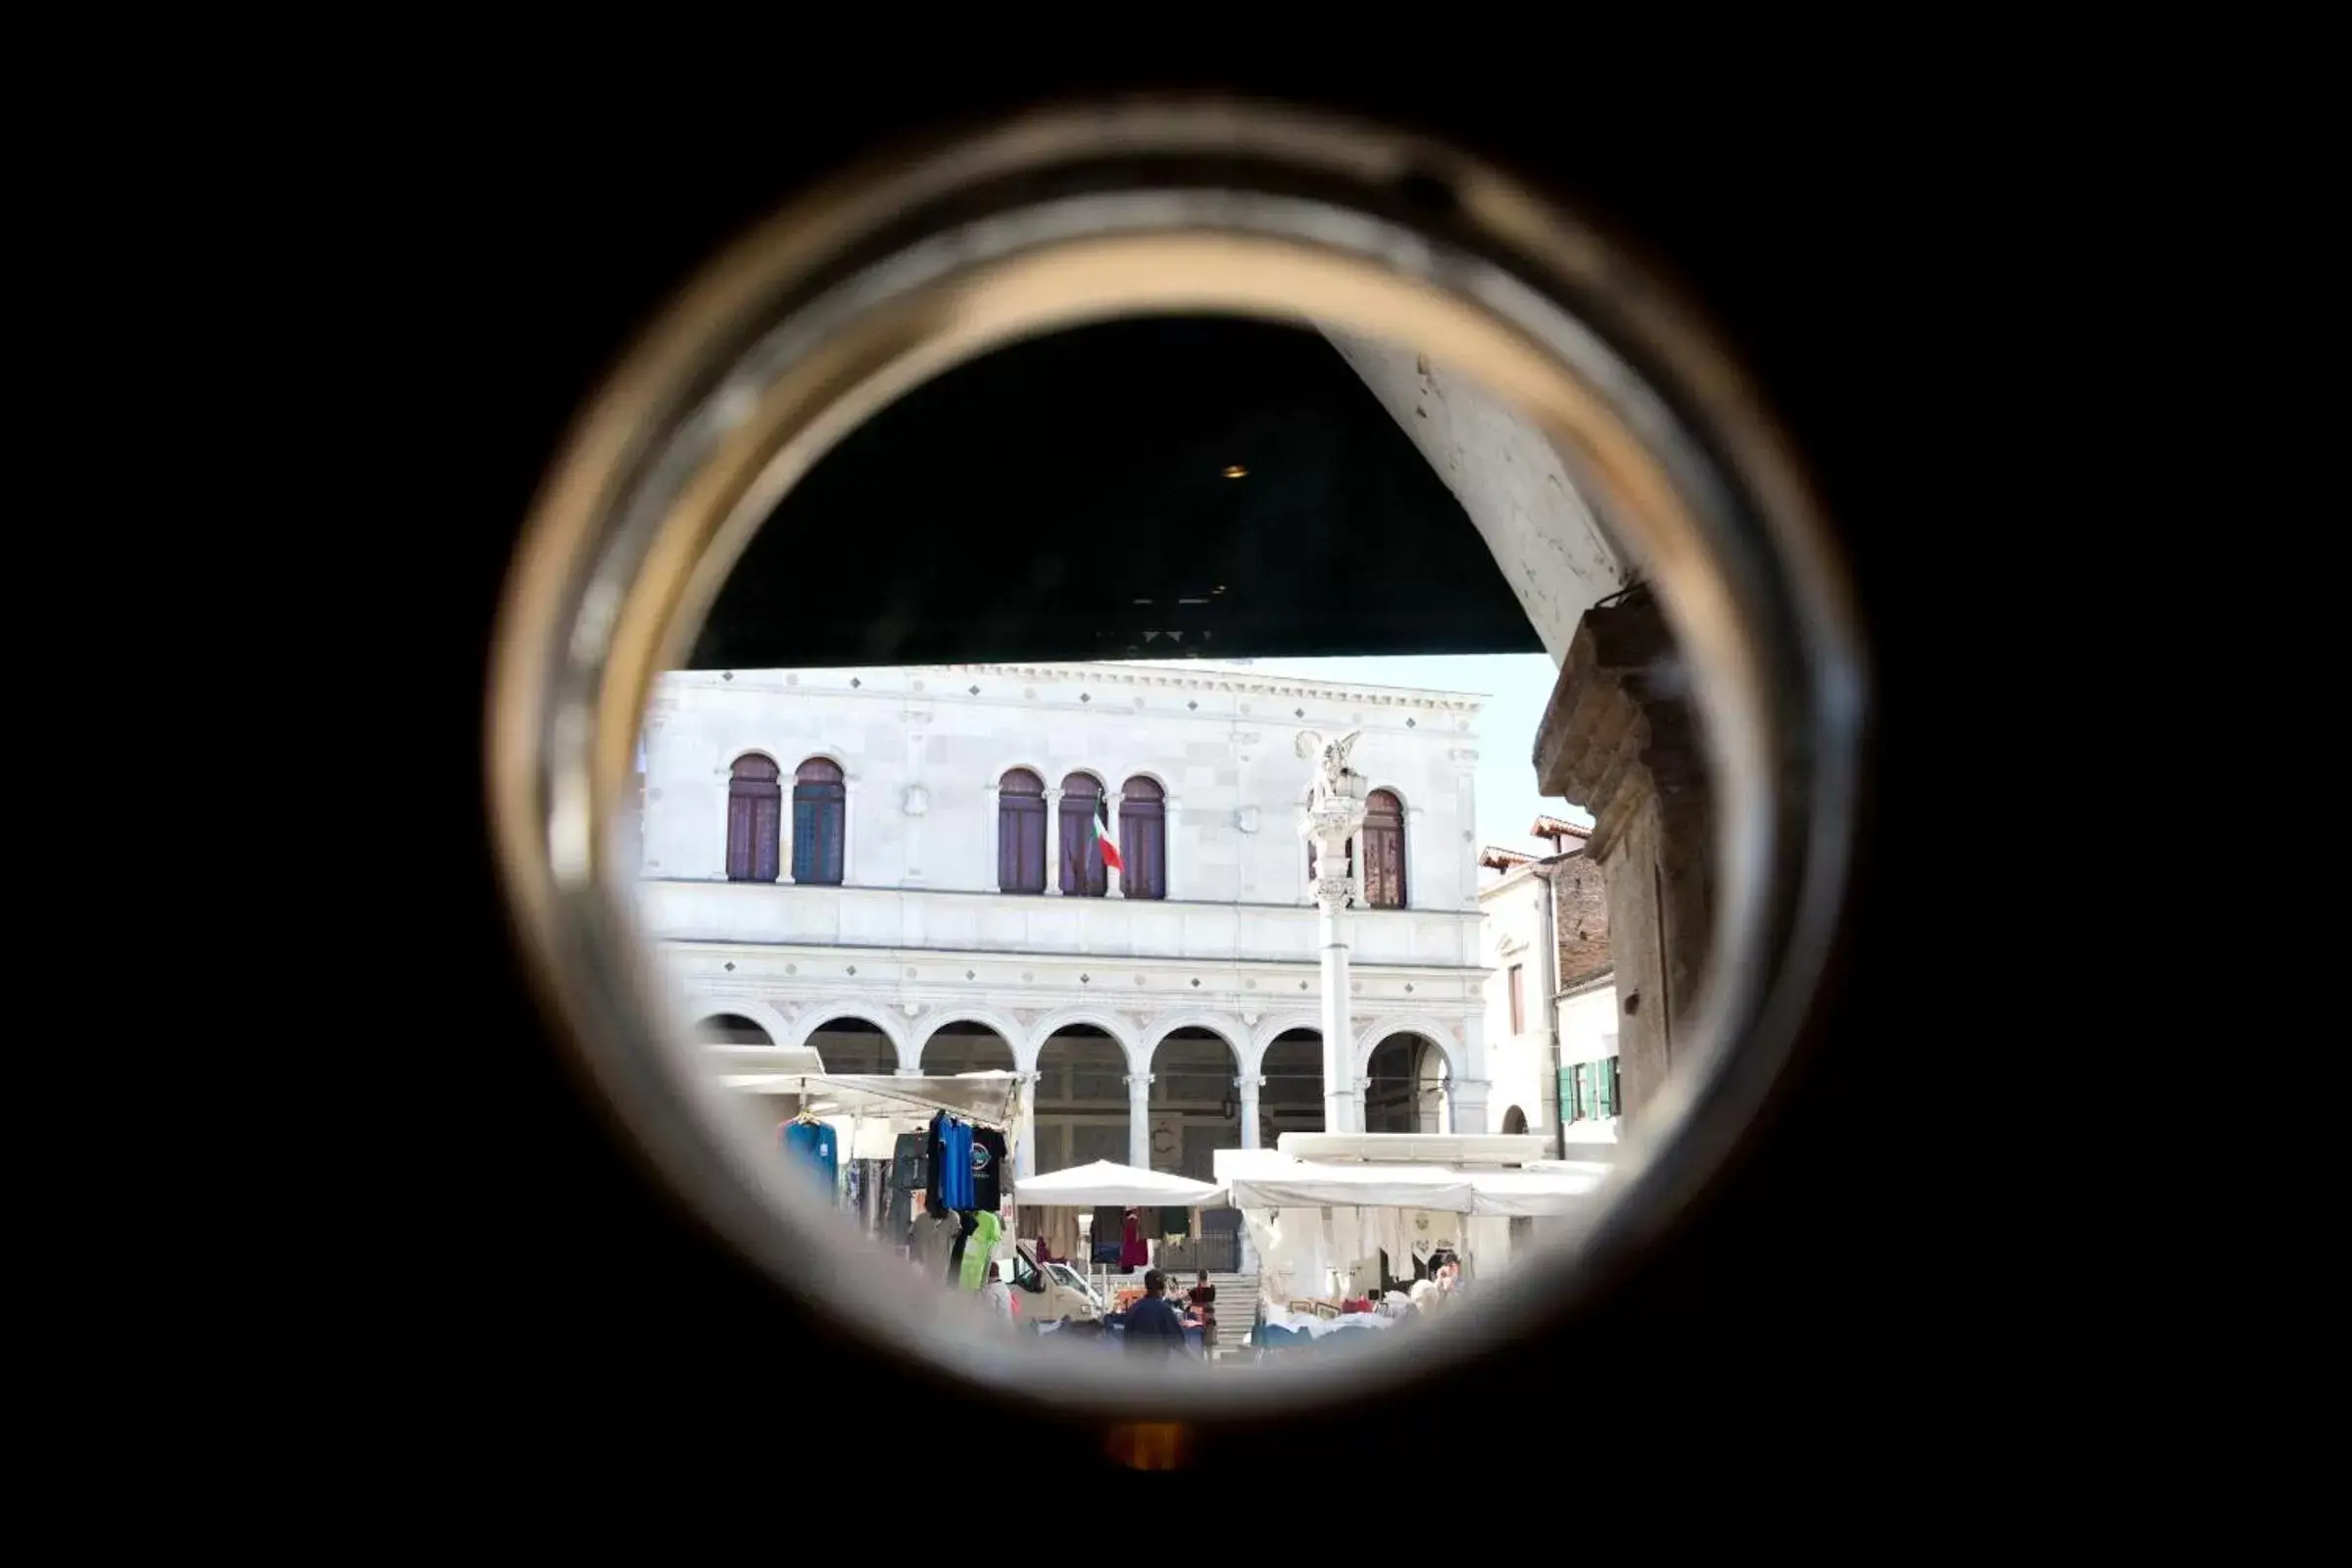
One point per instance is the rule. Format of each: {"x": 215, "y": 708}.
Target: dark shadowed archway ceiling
{"x": 1086, "y": 474}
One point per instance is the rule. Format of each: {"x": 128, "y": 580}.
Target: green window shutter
{"x": 1567, "y": 1096}
{"x": 1606, "y": 1071}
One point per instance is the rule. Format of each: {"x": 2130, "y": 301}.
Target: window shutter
{"x": 739, "y": 837}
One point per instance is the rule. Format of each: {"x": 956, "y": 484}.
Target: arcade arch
{"x": 1405, "y": 1079}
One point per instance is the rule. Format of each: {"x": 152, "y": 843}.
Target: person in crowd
{"x": 1152, "y": 1326}
{"x": 996, "y": 1296}
{"x": 1204, "y": 1298}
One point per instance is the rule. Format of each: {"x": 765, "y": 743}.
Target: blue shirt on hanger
{"x": 814, "y": 1144}
{"x": 955, "y": 1166}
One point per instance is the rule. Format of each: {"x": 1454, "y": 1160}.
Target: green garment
{"x": 977, "y": 1247}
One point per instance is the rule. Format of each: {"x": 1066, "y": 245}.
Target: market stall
{"x": 921, "y": 1161}
{"x": 1132, "y": 1190}
{"x": 1339, "y": 1241}
{"x": 1064, "y": 1208}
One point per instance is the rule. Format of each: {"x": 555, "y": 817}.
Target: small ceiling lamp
{"x": 1234, "y": 470}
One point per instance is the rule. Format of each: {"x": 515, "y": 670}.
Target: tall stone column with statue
{"x": 1335, "y": 817}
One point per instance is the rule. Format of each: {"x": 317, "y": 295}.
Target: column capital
{"x": 1249, "y": 1083}
{"x": 1135, "y": 1079}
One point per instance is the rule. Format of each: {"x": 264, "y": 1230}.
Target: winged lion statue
{"x": 1330, "y": 756}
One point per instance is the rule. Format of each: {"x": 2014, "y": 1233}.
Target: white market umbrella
{"x": 1106, "y": 1182}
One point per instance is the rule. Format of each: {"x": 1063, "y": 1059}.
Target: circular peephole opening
{"x": 1160, "y": 788}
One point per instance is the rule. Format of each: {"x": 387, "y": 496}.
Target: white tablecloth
{"x": 1316, "y": 1327}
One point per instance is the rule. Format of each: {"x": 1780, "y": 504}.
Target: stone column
{"x": 1250, "y": 1084}
{"x": 1139, "y": 1120}
{"x": 1024, "y": 1154}
{"x": 1171, "y": 861}
{"x": 915, "y": 803}
{"x": 1053, "y": 841}
{"x": 850, "y": 793}
{"x": 1467, "y": 1099}
{"x": 1335, "y": 816}
{"x": 784, "y": 835}
{"x": 1419, "y": 858}
{"x": 1342, "y": 1104}
{"x": 1112, "y": 877}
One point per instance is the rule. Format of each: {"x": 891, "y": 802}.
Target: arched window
{"x": 1021, "y": 832}
{"x": 1082, "y": 870}
{"x": 1144, "y": 840}
{"x": 755, "y": 820}
{"x": 819, "y": 816}
{"x": 1384, "y": 850}
{"x": 1514, "y": 1121}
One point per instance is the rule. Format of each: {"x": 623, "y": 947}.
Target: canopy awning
{"x": 1564, "y": 1188}
{"x": 1262, "y": 1178}
{"x": 1106, "y": 1182}
{"x": 1266, "y": 1178}
{"x": 986, "y": 1097}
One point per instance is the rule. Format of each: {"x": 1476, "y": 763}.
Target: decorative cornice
{"x": 1181, "y": 677}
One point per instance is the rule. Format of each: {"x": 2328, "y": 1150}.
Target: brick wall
{"x": 1583, "y": 908}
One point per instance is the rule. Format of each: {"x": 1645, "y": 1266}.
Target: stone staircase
{"x": 1237, "y": 1305}
{"x": 1237, "y": 1310}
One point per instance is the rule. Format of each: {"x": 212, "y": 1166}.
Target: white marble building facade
{"x": 826, "y": 854}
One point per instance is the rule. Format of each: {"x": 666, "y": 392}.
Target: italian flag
{"x": 1109, "y": 844}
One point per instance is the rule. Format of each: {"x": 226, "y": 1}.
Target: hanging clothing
{"x": 816, "y": 1146}
{"x": 1269, "y": 1238}
{"x": 873, "y": 1196}
{"x": 1395, "y": 1239}
{"x": 954, "y": 1165}
{"x": 979, "y": 1248}
{"x": 1059, "y": 1230}
{"x": 988, "y": 1176}
{"x": 1433, "y": 1230}
{"x": 935, "y": 1166}
{"x": 906, "y": 1178}
{"x": 960, "y": 1228}
{"x": 1134, "y": 1251}
{"x": 933, "y": 1241}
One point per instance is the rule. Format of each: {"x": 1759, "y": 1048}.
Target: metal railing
{"x": 1220, "y": 1255}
